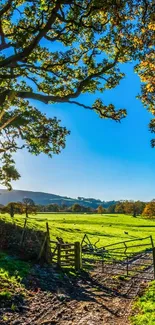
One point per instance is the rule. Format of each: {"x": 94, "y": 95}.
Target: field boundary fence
{"x": 36, "y": 245}
{"x": 24, "y": 242}
{"x": 135, "y": 257}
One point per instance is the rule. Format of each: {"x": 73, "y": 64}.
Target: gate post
{"x": 59, "y": 255}
{"x": 78, "y": 260}
{"x": 152, "y": 243}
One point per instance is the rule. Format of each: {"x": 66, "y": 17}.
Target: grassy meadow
{"x": 145, "y": 307}
{"x": 108, "y": 229}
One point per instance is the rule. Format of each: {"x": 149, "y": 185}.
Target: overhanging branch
{"x": 28, "y": 50}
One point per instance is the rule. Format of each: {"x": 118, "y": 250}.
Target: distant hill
{"x": 47, "y": 198}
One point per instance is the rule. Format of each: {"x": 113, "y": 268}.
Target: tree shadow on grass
{"x": 92, "y": 233}
{"x": 78, "y": 286}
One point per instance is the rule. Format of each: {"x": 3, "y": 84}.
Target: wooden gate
{"x": 128, "y": 258}
{"x": 59, "y": 253}
{"x": 66, "y": 254}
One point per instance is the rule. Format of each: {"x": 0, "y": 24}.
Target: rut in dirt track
{"x": 90, "y": 298}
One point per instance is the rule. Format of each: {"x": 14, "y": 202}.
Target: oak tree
{"x": 119, "y": 208}
{"x": 28, "y": 206}
{"x": 55, "y": 51}
{"x": 100, "y": 209}
{"x": 149, "y": 210}
{"x": 133, "y": 208}
{"x": 76, "y": 207}
{"x": 12, "y": 208}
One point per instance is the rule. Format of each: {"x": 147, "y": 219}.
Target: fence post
{"x": 23, "y": 232}
{"x": 78, "y": 261}
{"x": 152, "y": 243}
{"x": 48, "y": 256}
{"x": 47, "y": 229}
{"x": 153, "y": 250}
{"x": 59, "y": 255}
{"x": 42, "y": 249}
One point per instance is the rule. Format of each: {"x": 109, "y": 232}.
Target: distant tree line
{"x": 64, "y": 208}
{"x": 134, "y": 208}
{"x": 130, "y": 207}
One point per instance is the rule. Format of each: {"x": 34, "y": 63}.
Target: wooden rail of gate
{"x": 66, "y": 254}
{"x": 132, "y": 257}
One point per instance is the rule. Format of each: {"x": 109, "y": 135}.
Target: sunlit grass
{"x": 107, "y": 229}
{"x": 12, "y": 272}
{"x": 145, "y": 307}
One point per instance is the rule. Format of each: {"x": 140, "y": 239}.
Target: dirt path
{"x": 88, "y": 299}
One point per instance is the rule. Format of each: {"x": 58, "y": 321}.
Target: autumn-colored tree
{"x": 9, "y": 208}
{"x": 129, "y": 208}
{"x": 19, "y": 208}
{"x": 149, "y": 210}
{"x": 94, "y": 37}
{"x": 120, "y": 208}
{"x": 100, "y": 209}
{"x": 133, "y": 208}
{"x": 12, "y": 208}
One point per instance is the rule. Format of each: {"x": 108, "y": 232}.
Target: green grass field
{"x": 107, "y": 228}
{"x": 145, "y": 307}
{"x": 12, "y": 272}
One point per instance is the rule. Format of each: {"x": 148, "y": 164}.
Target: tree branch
{"x": 27, "y": 50}
{"x": 5, "y": 8}
{"x": 2, "y": 150}
{"x": 9, "y": 76}
{"x": 47, "y": 98}
{"x": 8, "y": 122}
{"x": 94, "y": 75}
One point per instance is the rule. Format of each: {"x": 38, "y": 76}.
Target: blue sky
{"x": 102, "y": 159}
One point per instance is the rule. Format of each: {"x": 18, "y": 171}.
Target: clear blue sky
{"x": 102, "y": 159}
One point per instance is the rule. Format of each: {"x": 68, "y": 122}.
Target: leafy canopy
{"x": 12, "y": 208}
{"x": 28, "y": 206}
{"x": 149, "y": 210}
{"x": 54, "y": 51}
